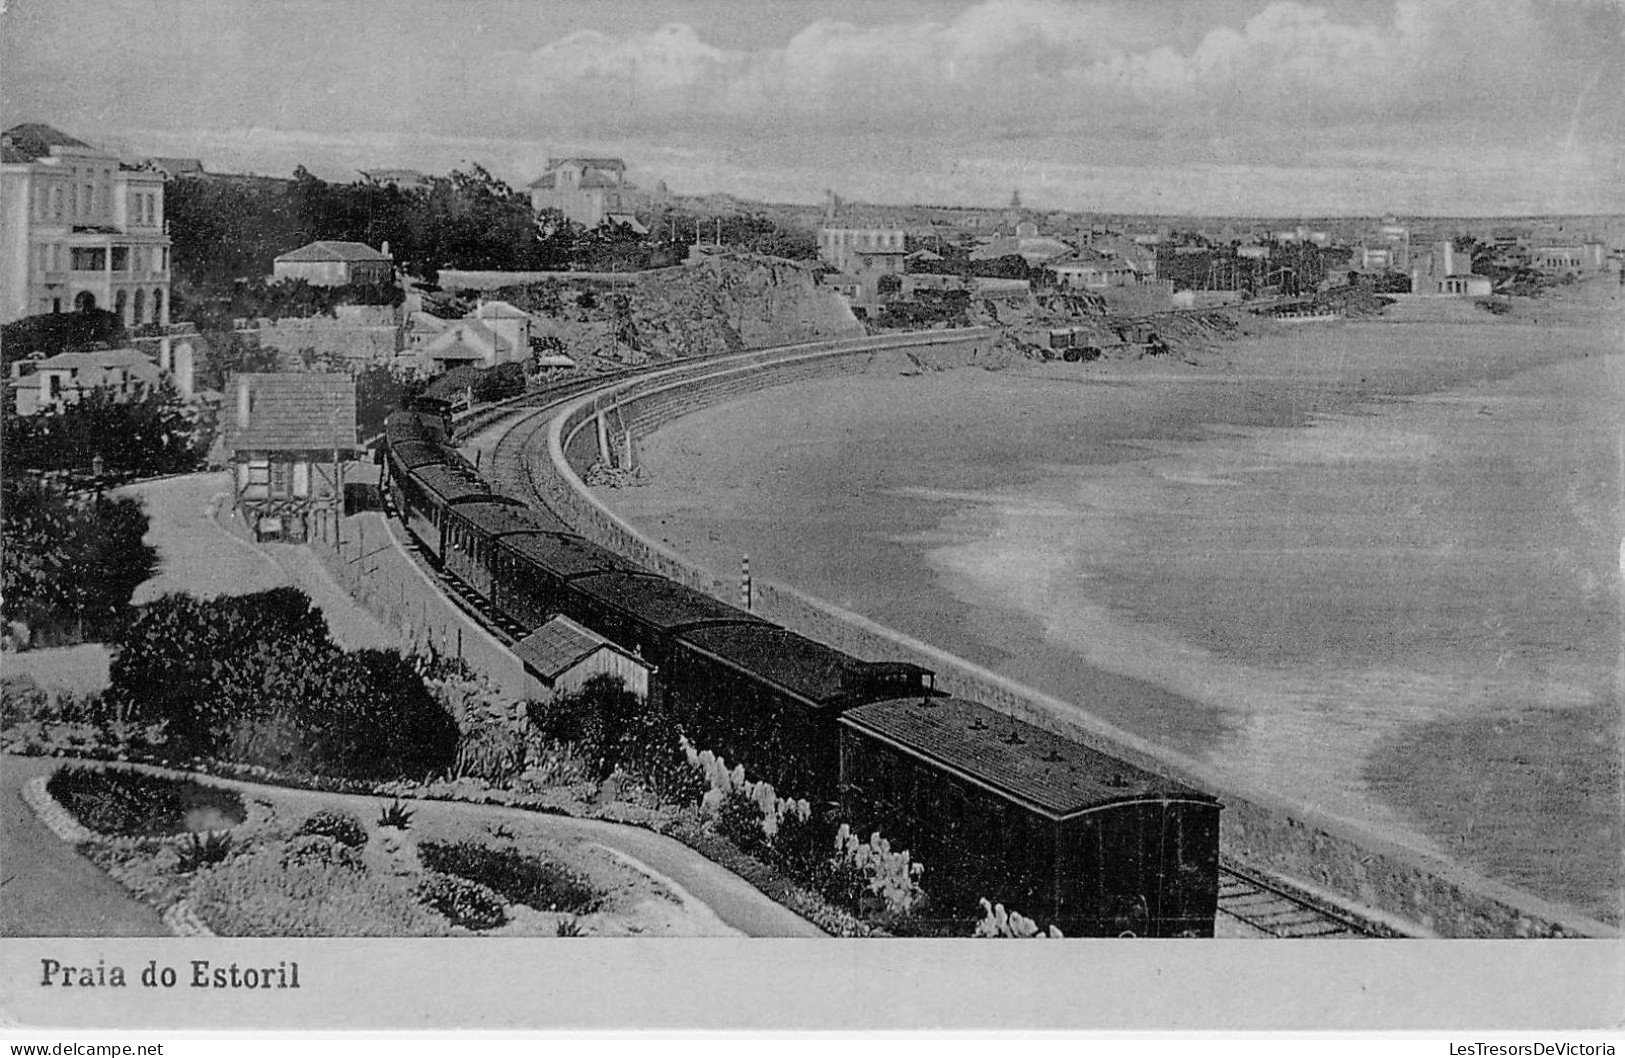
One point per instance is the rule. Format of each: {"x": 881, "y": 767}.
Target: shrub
{"x": 522, "y": 879}
{"x": 340, "y": 826}
{"x": 489, "y": 754}
{"x": 204, "y": 851}
{"x": 323, "y": 850}
{"x": 890, "y": 877}
{"x": 996, "y": 922}
{"x": 258, "y": 677}
{"x": 264, "y": 894}
{"x": 568, "y": 927}
{"x": 462, "y": 902}
{"x": 135, "y": 804}
{"x": 396, "y": 816}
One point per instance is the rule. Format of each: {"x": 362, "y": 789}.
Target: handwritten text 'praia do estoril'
{"x": 196, "y": 973}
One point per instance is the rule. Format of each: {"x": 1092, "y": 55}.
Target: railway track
{"x": 1275, "y": 911}
{"x": 1268, "y": 907}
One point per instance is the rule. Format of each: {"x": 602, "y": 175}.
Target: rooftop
{"x": 1055, "y": 775}
{"x": 304, "y": 411}
{"x": 30, "y": 140}
{"x": 330, "y": 250}
{"x": 559, "y": 645}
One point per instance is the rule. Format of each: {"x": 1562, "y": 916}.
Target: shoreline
{"x": 783, "y": 474}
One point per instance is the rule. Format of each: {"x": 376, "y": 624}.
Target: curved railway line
{"x": 1269, "y": 907}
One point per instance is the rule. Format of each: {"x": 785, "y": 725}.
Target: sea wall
{"x": 1404, "y": 890}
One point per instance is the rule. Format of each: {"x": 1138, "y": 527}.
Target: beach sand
{"x": 1373, "y": 566}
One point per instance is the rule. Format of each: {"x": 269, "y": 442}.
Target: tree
{"x": 59, "y": 332}
{"x": 151, "y": 433}
{"x": 70, "y": 564}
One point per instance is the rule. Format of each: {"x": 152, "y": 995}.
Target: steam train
{"x": 997, "y": 808}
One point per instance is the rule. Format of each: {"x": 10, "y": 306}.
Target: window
{"x": 157, "y": 305}
{"x": 121, "y": 258}
{"x": 87, "y": 259}
{"x": 301, "y": 478}
{"x": 281, "y": 478}
{"x": 254, "y": 477}
{"x": 56, "y": 202}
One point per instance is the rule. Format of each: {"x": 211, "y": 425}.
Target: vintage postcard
{"x": 909, "y": 515}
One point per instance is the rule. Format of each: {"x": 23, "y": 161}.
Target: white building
{"x": 589, "y": 191}
{"x": 79, "y": 230}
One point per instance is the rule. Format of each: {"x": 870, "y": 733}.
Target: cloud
{"x": 1047, "y": 61}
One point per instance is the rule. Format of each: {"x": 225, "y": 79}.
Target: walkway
{"x": 50, "y": 890}
{"x": 46, "y": 888}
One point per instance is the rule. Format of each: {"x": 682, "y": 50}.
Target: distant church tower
{"x": 1015, "y": 199}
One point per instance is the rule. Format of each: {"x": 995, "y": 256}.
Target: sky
{"x": 1247, "y": 107}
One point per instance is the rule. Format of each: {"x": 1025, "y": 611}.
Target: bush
{"x": 323, "y": 850}
{"x": 462, "y": 902}
{"x": 267, "y": 894}
{"x": 135, "y": 804}
{"x": 338, "y": 825}
{"x": 204, "y": 851}
{"x": 521, "y": 879}
{"x": 500, "y": 382}
{"x": 258, "y": 678}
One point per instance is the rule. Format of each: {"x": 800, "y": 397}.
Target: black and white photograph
{"x": 707, "y": 515}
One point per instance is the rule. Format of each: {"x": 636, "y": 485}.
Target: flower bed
{"x": 135, "y": 804}
{"x": 527, "y": 880}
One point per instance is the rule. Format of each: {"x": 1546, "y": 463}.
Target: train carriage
{"x": 530, "y": 572}
{"x": 472, "y": 529}
{"x": 768, "y": 698}
{"x": 403, "y": 426}
{"x": 430, "y": 493}
{"x": 642, "y": 611}
{"x": 1000, "y": 809}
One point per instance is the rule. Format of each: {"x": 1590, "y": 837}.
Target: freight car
{"x": 530, "y": 573}
{"x": 1057, "y": 830}
{"x": 644, "y": 611}
{"x": 768, "y": 698}
{"x": 474, "y": 529}
{"x": 997, "y": 807}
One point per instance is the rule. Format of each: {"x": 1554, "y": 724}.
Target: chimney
{"x": 244, "y": 403}
{"x": 384, "y": 249}
{"x": 185, "y": 378}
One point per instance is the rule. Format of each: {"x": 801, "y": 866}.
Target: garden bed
{"x": 298, "y": 863}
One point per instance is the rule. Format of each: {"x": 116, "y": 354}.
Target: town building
{"x": 1385, "y": 249}
{"x": 79, "y": 230}
{"x": 331, "y": 263}
{"x": 864, "y": 257}
{"x": 1446, "y": 270}
{"x": 1577, "y": 258}
{"x": 290, "y": 436}
{"x": 44, "y": 384}
{"x": 1033, "y": 248}
{"x": 590, "y": 192}
{"x": 1091, "y": 270}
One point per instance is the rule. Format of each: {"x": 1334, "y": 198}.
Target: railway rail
{"x": 1270, "y": 907}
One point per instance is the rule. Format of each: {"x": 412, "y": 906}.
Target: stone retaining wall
{"x": 1406, "y": 889}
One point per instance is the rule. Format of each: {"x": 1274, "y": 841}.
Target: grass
{"x": 269, "y": 894}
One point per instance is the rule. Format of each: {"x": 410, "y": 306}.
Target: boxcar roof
{"x": 411, "y": 454}
{"x": 1055, "y": 775}
{"x": 414, "y": 425}
{"x": 451, "y": 483}
{"x": 661, "y": 603}
{"x": 802, "y": 666}
{"x": 500, "y": 515}
{"x": 563, "y": 554}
